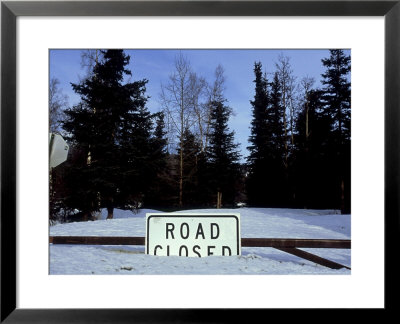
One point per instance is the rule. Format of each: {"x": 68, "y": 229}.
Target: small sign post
{"x": 193, "y": 235}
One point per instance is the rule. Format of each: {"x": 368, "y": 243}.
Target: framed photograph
{"x": 39, "y": 38}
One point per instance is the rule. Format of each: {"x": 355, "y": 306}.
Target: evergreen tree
{"x": 160, "y": 190}
{"x": 337, "y": 111}
{"x": 256, "y": 179}
{"x": 337, "y": 93}
{"x": 269, "y": 182}
{"x": 259, "y": 124}
{"x": 189, "y": 154}
{"x": 277, "y": 181}
{"x": 223, "y": 156}
{"x": 313, "y": 177}
{"x": 160, "y": 142}
{"x": 111, "y": 129}
{"x": 205, "y": 191}
{"x": 136, "y": 149}
{"x": 277, "y": 128}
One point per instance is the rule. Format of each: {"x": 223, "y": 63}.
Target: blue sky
{"x": 156, "y": 65}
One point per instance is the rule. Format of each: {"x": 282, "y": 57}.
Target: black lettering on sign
{"x": 226, "y": 247}
{"x": 157, "y": 247}
{"x": 169, "y": 229}
{"x": 209, "y": 252}
{"x": 167, "y": 250}
{"x": 195, "y": 248}
{"x": 200, "y": 231}
{"x": 214, "y": 235}
{"x": 187, "y": 230}
{"x": 180, "y": 250}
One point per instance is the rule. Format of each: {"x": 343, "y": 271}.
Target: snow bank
{"x": 255, "y": 222}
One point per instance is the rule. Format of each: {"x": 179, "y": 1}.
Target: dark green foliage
{"x": 223, "y": 156}
{"x": 259, "y": 124}
{"x": 277, "y": 132}
{"x": 111, "y": 127}
{"x": 71, "y": 194}
{"x": 256, "y": 160}
{"x": 315, "y": 173}
{"x": 118, "y": 155}
{"x": 337, "y": 93}
{"x": 267, "y": 182}
{"x": 191, "y": 151}
{"x": 160, "y": 179}
{"x": 322, "y": 168}
{"x": 312, "y": 168}
{"x": 277, "y": 192}
{"x": 337, "y": 111}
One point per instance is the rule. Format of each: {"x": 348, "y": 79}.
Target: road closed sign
{"x": 193, "y": 235}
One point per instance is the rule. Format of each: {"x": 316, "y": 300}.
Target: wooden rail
{"x": 296, "y": 243}
{"x": 98, "y": 240}
{"x": 246, "y": 242}
{"x": 283, "y": 244}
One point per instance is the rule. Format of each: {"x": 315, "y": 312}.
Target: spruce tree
{"x": 111, "y": 129}
{"x": 337, "y": 111}
{"x": 223, "y": 156}
{"x": 159, "y": 142}
{"x": 337, "y": 93}
{"x": 275, "y": 164}
{"x": 160, "y": 188}
{"x": 256, "y": 180}
{"x": 188, "y": 153}
{"x": 259, "y": 124}
{"x": 80, "y": 191}
{"x": 277, "y": 127}
{"x": 136, "y": 151}
{"x": 313, "y": 176}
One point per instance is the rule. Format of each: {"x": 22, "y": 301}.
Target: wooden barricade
{"x": 283, "y": 244}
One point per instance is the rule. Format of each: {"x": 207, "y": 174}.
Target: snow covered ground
{"x": 255, "y": 222}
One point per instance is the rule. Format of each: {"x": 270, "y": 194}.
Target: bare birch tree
{"x": 198, "y": 87}
{"x": 214, "y": 93}
{"x": 89, "y": 58}
{"x": 177, "y": 101}
{"x": 306, "y": 85}
{"x": 287, "y": 85}
{"x": 57, "y": 103}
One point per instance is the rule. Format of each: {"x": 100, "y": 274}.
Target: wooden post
{"x": 313, "y": 258}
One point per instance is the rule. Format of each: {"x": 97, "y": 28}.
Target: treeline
{"x": 124, "y": 156}
{"x": 300, "y": 138}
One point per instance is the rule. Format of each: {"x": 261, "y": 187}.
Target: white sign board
{"x": 58, "y": 150}
{"x": 193, "y": 235}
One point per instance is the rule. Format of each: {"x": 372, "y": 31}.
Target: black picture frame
{"x": 10, "y": 10}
